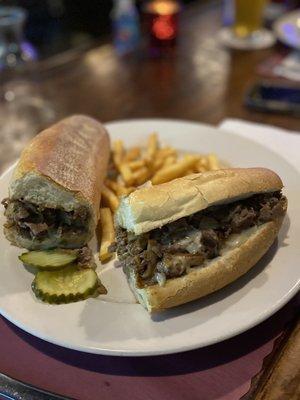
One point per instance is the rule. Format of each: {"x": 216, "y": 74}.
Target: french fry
{"x": 110, "y": 199}
{"x": 190, "y": 156}
{"x": 118, "y": 188}
{"x": 107, "y": 234}
{"x": 118, "y": 152}
{"x": 156, "y": 165}
{"x": 112, "y": 185}
{"x": 166, "y": 152}
{"x": 141, "y": 176}
{"x": 177, "y": 170}
{"x": 190, "y": 159}
{"x": 124, "y": 191}
{"x": 152, "y": 146}
{"x": 199, "y": 167}
{"x": 204, "y": 162}
{"x": 170, "y": 161}
{"x": 213, "y": 163}
{"x": 137, "y": 164}
{"x": 160, "y": 158}
{"x": 126, "y": 174}
{"x": 132, "y": 154}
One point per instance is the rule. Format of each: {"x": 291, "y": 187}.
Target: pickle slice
{"x": 65, "y": 286}
{"x": 48, "y": 260}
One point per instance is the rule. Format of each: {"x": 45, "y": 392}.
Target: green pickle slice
{"x": 65, "y": 286}
{"x": 48, "y": 260}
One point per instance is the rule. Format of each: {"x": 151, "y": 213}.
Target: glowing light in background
{"x": 292, "y": 33}
{"x": 163, "y": 28}
{"x": 163, "y": 7}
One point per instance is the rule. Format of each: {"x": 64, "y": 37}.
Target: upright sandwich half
{"x": 54, "y": 195}
{"x": 187, "y": 238}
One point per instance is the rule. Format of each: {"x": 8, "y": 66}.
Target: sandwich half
{"x": 54, "y": 195}
{"x": 189, "y": 237}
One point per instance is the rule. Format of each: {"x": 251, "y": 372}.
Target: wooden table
{"x": 202, "y": 81}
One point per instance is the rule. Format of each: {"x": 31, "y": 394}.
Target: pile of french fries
{"x": 134, "y": 167}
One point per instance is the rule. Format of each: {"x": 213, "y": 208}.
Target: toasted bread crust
{"x": 73, "y": 154}
{"x": 152, "y": 207}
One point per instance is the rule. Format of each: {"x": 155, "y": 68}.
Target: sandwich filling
{"x": 170, "y": 251}
{"x": 38, "y": 223}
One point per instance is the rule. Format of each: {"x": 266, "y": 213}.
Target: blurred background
{"x": 203, "y": 60}
{"x": 54, "y": 26}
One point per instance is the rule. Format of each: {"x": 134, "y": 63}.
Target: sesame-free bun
{"x": 154, "y": 206}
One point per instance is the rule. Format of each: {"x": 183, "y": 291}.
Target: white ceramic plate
{"x": 287, "y": 29}
{"x": 114, "y": 324}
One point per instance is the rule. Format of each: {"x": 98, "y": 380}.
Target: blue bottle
{"x": 228, "y": 12}
{"x": 125, "y": 26}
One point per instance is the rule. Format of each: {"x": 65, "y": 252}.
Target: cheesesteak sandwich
{"x": 53, "y": 207}
{"x": 184, "y": 239}
{"x": 54, "y": 195}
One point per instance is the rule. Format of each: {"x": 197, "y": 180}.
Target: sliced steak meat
{"x": 210, "y": 238}
{"x": 271, "y": 209}
{"x": 37, "y": 222}
{"x": 148, "y": 263}
{"x": 189, "y": 242}
{"x": 15, "y": 211}
{"x": 207, "y": 222}
{"x": 265, "y": 213}
{"x": 278, "y": 208}
{"x": 155, "y": 247}
{"x": 243, "y": 219}
{"x": 177, "y": 264}
{"x": 172, "y": 266}
{"x": 5, "y": 202}
{"x": 85, "y": 257}
{"x": 36, "y": 229}
{"x": 20, "y": 212}
{"x": 66, "y": 218}
{"x": 211, "y": 241}
{"x": 135, "y": 247}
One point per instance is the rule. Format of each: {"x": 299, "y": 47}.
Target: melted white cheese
{"x": 237, "y": 239}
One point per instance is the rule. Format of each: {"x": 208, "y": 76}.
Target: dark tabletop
{"x": 201, "y": 80}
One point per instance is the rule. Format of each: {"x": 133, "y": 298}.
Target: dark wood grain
{"x": 200, "y": 81}
{"x": 279, "y": 378}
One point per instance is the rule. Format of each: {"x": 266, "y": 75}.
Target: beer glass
{"x": 248, "y": 17}
{"x": 247, "y": 31}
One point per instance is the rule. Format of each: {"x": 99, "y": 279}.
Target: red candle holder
{"x": 161, "y": 18}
